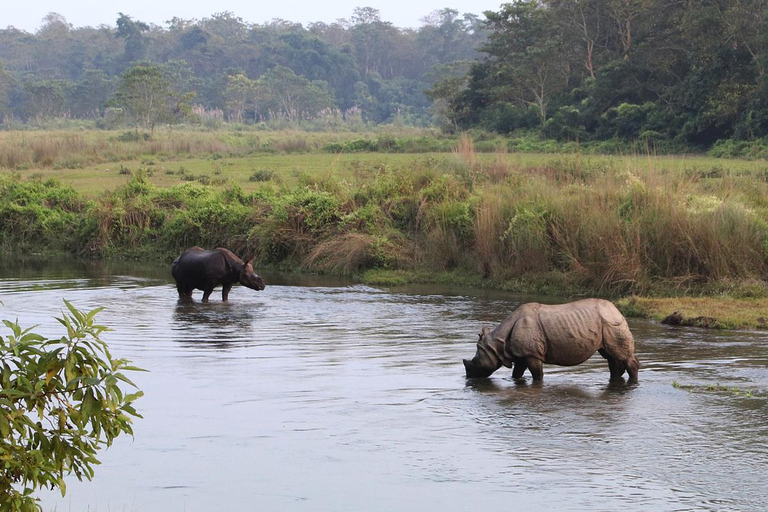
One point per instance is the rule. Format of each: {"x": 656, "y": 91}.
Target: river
{"x": 326, "y": 395}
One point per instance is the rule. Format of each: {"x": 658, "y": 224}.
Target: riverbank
{"x": 558, "y": 225}
{"x": 706, "y": 307}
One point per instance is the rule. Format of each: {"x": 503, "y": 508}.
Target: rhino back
{"x": 573, "y": 331}
{"x": 198, "y": 268}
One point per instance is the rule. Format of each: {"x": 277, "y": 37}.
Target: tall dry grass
{"x": 617, "y": 228}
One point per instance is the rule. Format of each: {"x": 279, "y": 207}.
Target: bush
{"x": 60, "y": 403}
{"x": 133, "y": 136}
{"x": 262, "y": 175}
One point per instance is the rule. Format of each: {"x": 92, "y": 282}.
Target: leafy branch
{"x": 60, "y": 403}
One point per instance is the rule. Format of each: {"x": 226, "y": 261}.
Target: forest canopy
{"x": 682, "y": 72}
{"x": 362, "y": 67}
{"x": 688, "y": 71}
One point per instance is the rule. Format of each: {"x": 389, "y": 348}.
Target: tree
{"x": 585, "y": 22}
{"x": 744, "y": 21}
{"x": 239, "y": 94}
{"x": 147, "y": 94}
{"x": 624, "y": 13}
{"x": 133, "y": 34}
{"x": 60, "y": 403}
{"x": 6, "y": 83}
{"x": 282, "y": 92}
{"x": 54, "y": 43}
{"x": 445, "y": 93}
{"x": 526, "y": 55}
{"x": 370, "y": 36}
{"x": 446, "y": 37}
{"x": 45, "y": 99}
{"x": 91, "y": 94}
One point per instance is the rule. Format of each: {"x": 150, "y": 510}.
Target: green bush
{"x": 262, "y": 175}
{"x": 61, "y": 402}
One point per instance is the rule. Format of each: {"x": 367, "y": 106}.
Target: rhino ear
{"x": 486, "y": 330}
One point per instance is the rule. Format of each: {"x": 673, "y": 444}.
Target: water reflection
{"x": 215, "y": 324}
{"x": 213, "y": 314}
{"x": 327, "y": 395}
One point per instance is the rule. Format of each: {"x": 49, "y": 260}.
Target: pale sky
{"x": 27, "y": 15}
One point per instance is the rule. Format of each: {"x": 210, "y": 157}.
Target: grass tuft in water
{"x": 714, "y": 388}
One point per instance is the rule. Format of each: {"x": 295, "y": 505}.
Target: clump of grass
{"x": 714, "y": 388}
{"x": 345, "y": 254}
{"x": 294, "y": 144}
{"x": 465, "y": 150}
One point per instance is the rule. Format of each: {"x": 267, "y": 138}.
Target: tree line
{"x": 680, "y": 72}
{"x": 362, "y": 68}
{"x": 683, "y": 74}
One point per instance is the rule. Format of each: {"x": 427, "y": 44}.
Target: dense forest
{"x": 680, "y": 73}
{"x": 224, "y": 68}
{"x": 689, "y": 72}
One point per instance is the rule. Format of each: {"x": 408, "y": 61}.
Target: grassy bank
{"x": 554, "y": 224}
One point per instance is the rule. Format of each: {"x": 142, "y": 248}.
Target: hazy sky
{"x": 27, "y": 15}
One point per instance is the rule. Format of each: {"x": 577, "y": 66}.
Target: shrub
{"x": 60, "y": 403}
{"x": 133, "y": 136}
{"x": 262, "y": 175}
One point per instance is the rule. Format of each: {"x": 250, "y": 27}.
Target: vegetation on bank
{"x": 713, "y": 311}
{"x": 564, "y": 225}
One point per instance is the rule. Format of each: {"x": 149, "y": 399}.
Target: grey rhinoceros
{"x": 563, "y": 334}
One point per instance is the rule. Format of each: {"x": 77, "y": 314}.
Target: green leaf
{"x": 5, "y": 426}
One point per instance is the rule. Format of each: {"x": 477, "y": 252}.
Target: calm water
{"x": 328, "y": 396}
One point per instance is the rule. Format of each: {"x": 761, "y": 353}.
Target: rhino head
{"x": 247, "y": 277}
{"x": 486, "y": 360}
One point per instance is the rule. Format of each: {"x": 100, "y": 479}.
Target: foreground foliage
{"x": 60, "y": 403}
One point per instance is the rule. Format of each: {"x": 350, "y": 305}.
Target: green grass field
{"x": 218, "y": 171}
{"x": 96, "y": 161}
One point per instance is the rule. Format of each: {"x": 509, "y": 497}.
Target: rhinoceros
{"x": 563, "y": 334}
{"x": 205, "y": 270}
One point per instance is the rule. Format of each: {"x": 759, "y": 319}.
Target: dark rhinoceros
{"x": 205, "y": 270}
{"x": 564, "y": 334}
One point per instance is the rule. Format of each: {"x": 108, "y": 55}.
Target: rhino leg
{"x": 225, "y": 292}
{"x": 184, "y": 292}
{"x": 616, "y": 367}
{"x": 207, "y": 293}
{"x": 632, "y": 366}
{"x": 536, "y": 366}
{"x": 519, "y": 369}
